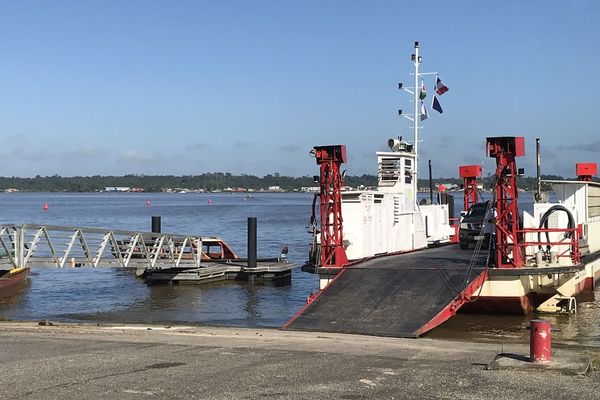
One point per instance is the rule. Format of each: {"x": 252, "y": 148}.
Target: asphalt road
{"x": 90, "y": 362}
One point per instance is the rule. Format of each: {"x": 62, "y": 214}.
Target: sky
{"x": 249, "y": 87}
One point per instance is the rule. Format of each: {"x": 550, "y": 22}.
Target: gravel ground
{"x": 134, "y": 362}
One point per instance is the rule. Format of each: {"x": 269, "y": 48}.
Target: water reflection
{"x": 581, "y": 327}
{"x": 251, "y": 306}
{"x": 13, "y": 294}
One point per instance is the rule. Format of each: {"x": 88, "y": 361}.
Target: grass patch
{"x": 594, "y": 359}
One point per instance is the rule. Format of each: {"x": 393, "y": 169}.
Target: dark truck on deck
{"x": 472, "y": 225}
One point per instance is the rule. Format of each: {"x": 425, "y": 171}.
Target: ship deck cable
{"x": 479, "y": 244}
{"x": 403, "y": 295}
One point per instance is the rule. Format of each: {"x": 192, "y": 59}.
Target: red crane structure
{"x": 329, "y": 158}
{"x": 585, "y": 171}
{"x": 470, "y": 173}
{"x": 505, "y": 149}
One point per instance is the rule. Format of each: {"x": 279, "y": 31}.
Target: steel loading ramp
{"x": 402, "y": 296}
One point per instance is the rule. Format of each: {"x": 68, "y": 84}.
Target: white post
{"x": 20, "y": 247}
{"x": 417, "y": 117}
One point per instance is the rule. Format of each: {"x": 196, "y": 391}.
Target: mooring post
{"x": 156, "y": 224}
{"x": 251, "y": 242}
{"x": 538, "y": 172}
{"x": 20, "y": 247}
{"x": 540, "y": 341}
{"x": 430, "y": 184}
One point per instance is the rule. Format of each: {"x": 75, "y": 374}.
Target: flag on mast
{"x": 424, "y": 115}
{"x": 422, "y": 93}
{"x": 440, "y": 88}
{"x": 436, "y": 105}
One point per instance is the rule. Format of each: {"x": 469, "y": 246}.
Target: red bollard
{"x": 540, "y": 341}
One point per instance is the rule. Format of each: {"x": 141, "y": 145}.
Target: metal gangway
{"x": 60, "y": 246}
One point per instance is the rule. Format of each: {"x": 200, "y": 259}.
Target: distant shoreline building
{"x": 116, "y": 189}
{"x": 310, "y": 189}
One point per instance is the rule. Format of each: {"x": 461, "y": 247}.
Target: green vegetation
{"x": 206, "y": 181}
{"x": 157, "y": 183}
{"x": 524, "y": 182}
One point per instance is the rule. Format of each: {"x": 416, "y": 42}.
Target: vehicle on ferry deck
{"x": 472, "y": 227}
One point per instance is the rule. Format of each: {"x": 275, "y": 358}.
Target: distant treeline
{"x": 207, "y": 181}
{"x": 523, "y": 182}
{"x": 157, "y": 183}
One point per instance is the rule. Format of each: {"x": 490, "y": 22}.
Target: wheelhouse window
{"x": 389, "y": 170}
{"x": 408, "y": 171}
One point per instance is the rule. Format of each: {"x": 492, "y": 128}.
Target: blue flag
{"x": 436, "y": 105}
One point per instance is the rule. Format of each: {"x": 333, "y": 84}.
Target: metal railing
{"x": 30, "y": 244}
{"x": 567, "y": 244}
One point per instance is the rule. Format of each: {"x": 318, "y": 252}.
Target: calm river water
{"x": 114, "y": 295}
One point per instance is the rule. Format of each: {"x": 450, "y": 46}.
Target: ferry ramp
{"x": 402, "y": 295}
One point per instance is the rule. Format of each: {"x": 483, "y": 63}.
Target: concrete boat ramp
{"x": 403, "y": 295}
{"x": 157, "y": 362}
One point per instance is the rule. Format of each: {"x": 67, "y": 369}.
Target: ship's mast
{"x": 417, "y": 116}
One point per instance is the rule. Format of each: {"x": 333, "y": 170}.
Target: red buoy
{"x": 209, "y": 201}
{"x": 147, "y": 202}
{"x": 45, "y": 207}
{"x": 540, "y": 341}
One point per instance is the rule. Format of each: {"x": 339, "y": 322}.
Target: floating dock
{"x": 231, "y": 270}
{"x": 403, "y": 295}
{"x": 159, "y": 257}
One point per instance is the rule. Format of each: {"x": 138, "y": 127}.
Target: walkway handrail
{"x": 79, "y": 246}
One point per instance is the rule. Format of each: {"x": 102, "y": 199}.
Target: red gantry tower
{"x": 329, "y": 158}
{"x": 470, "y": 173}
{"x": 505, "y": 149}
{"x": 585, "y": 171}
